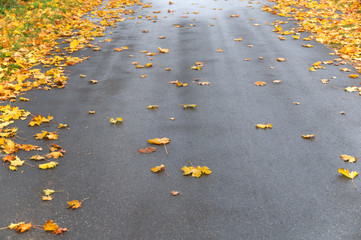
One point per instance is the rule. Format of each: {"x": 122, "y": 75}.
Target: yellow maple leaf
{"x": 47, "y": 198}
{"x": 153, "y": 107}
{"x": 52, "y": 136}
{"x": 348, "y": 158}
{"x": 353, "y": 76}
{"x": 351, "y": 89}
{"x": 259, "y": 83}
{"x": 190, "y": 106}
{"x": 37, "y": 120}
{"x": 16, "y": 162}
{"x": 159, "y": 141}
{"x": 75, "y": 204}
{"x": 238, "y": 39}
{"x": 281, "y": 59}
{"x": 48, "y": 165}
{"x": 74, "y": 44}
{"x": 158, "y": 168}
{"x": 163, "y": 50}
{"x": 22, "y": 227}
{"x": 116, "y": 120}
{"x": 308, "y": 136}
{"x": 348, "y": 174}
{"x": 24, "y": 99}
{"x": 148, "y": 65}
{"x": 61, "y": 125}
{"x": 37, "y": 157}
{"x": 264, "y": 126}
{"x": 196, "y": 171}
{"x": 48, "y": 192}
{"x": 50, "y": 226}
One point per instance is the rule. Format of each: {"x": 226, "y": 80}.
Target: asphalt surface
{"x": 266, "y": 184}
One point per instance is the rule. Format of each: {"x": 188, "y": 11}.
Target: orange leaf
{"x": 50, "y": 226}
{"x": 148, "y": 150}
{"x": 75, "y": 204}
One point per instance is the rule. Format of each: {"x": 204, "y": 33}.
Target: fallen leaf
{"x": 203, "y": 83}
{"x": 47, "y": 198}
{"x": 348, "y": 158}
{"x": 22, "y": 227}
{"x": 48, "y": 165}
{"x": 196, "y": 171}
{"x": 148, "y": 65}
{"x": 264, "y": 126}
{"x": 37, "y": 157}
{"x": 50, "y": 226}
{"x": 324, "y": 81}
{"x": 238, "y": 39}
{"x": 247, "y": 59}
{"x": 37, "y": 120}
{"x": 348, "y": 174}
{"x": 161, "y": 37}
{"x": 219, "y": 50}
{"x": 190, "y": 106}
{"x": 153, "y": 107}
{"x": 24, "y": 99}
{"x": 307, "y": 45}
{"x": 163, "y": 50}
{"x": 159, "y": 141}
{"x": 309, "y": 136}
{"x": 353, "y": 76}
{"x": 158, "y": 168}
{"x": 175, "y": 193}
{"x": 312, "y": 69}
{"x": 172, "y": 118}
{"x": 234, "y": 15}
{"x": 75, "y": 204}
{"x": 277, "y": 81}
{"x": 82, "y": 75}
{"x": 116, "y": 120}
{"x": 92, "y": 81}
{"x": 296, "y": 103}
{"x": 60, "y": 231}
{"x": 281, "y": 59}
{"x": 61, "y": 125}
{"x": 91, "y": 112}
{"x": 148, "y": 150}
{"x": 259, "y": 83}
{"x": 351, "y": 89}
{"x": 48, "y": 192}
{"x": 143, "y": 76}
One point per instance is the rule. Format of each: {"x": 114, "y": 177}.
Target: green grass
{"x": 7, "y": 4}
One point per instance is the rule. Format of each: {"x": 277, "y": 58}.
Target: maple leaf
{"x": 116, "y": 120}
{"x": 309, "y": 136}
{"x": 75, "y": 204}
{"x": 74, "y": 44}
{"x": 22, "y": 227}
{"x": 92, "y": 81}
{"x": 91, "y": 112}
{"x": 159, "y": 141}
{"x": 10, "y": 147}
{"x": 259, "y": 83}
{"x": 158, "y": 168}
{"x": 163, "y": 50}
{"x": 281, "y": 59}
{"x": 41, "y": 135}
{"x": 277, "y": 81}
{"x": 50, "y": 226}
{"x": 348, "y": 158}
{"x": 37, "y": 120}
{"x": 17, "y": 162}
{"x": 153, "y": 107}
{"x": 264, "y": 126}
{"x": 48, "y": 192}
{"x": 180, "y": 84}
{"x": 37, "y": 157}
{"x": 47, "y": 198}
{"x": 48, "y": 165}
{"x": 219, "y": 50}
{"x": 238, "y": 39}
{"x": 148, "y": 65}
{"x": 203, "y": 83}
{"x": 61, "y": 125}
{"x": 190, "y": 106}
{"x": 55, "y": 155}
{"x": 52, "y": 136}
{"x": 196, "y": 171}
{"x": 15, "y": 225}
{"x": 353, "y": 76}
{"x": 148, "y": 150}
{"x": 234, "y": 15}
{"x": 175, "y": 193}
{"x": 60, "y": 231}
{"x": 351, "y": 89}
{"x": 24, "y": 99}
{"x": 8, "y": 158}
{"x": 348, "y": 174}
{"x": 307, "y": 45}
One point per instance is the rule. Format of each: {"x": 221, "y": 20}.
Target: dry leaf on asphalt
{"x": 348, "y": 158}
{"x": 158, "y": 168}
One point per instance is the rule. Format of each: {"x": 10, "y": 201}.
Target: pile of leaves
{"x": 334, "y": 23}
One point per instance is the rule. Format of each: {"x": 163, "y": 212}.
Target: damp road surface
{"x": 265, "y": 184}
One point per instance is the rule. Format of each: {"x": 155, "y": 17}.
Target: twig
{"x": 166, "y": 151}
{"x": 166, "y": 172}
{"x": 190, "y": 163}
{"x": 4, "y": 228}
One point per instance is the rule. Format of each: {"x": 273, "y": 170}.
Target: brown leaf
{"x": 148, "y": 150}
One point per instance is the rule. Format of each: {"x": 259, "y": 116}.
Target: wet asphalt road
{"x": 266, "y": 184}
